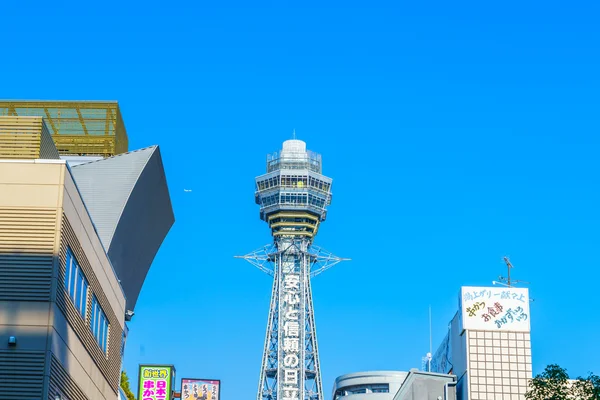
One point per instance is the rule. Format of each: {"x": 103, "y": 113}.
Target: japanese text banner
{"x": 495, "y": 309}
{"x": 200, "y": 389}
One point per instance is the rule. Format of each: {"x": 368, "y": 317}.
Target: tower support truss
{"x": 290, "y": 365}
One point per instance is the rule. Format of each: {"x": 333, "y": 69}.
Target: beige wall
{"x": 34, "y": 197}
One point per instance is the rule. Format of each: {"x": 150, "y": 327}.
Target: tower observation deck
{"x": 293, "y": 197}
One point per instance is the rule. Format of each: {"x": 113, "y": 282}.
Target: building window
{"x": 383, "y": 388}
{"x": 75, "y": 283}
{"x": 99, "y": 324}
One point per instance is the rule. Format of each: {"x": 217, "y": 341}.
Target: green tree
{"x": 125, "y": 386}
{"x": 554, "y": 384}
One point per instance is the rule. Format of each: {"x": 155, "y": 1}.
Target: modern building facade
{"x": 125, "y": 193}
{"x": 63, "y": 302}
{"x": 395, "y": 385}
{"x": 488, "y": 344}
{"x": 293, "y": 197}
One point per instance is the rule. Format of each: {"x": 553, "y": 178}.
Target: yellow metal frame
{"x": 77, "y": 127}
{"x": 292, "y": 233}
{"x": 288, "y": 214}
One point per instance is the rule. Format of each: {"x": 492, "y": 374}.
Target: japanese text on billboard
{"x": 155, "y": 382}
{"x": 200, "y": 389}
{"x": 493, "y": 309}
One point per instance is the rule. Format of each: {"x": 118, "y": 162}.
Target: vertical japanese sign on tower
{"x": 291, "y": 335}
{"x": 155, "y": 382}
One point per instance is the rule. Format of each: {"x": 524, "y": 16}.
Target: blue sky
{"x": 456, "y": 133}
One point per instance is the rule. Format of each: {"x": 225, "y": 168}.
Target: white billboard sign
{"x": 495, "y": 308}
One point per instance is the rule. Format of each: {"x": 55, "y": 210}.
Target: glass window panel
{"x": 102, "y": 333}
{"x": 72, "y": 280}
{"x": 78, "y": 291}
{"x": 93, "y": 318}
{"x": 75, "y": 283}
{"x": 68, "y": 268}
{"x": 84, "y": 298}
{"x": 105, "y": 333}
{"x": 99, "y": 325}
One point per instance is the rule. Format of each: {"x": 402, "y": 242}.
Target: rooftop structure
{"x": 128, "y": 198}
{"x": 394, "y": 385}
{"x": 293, "y": 197}
{"x": 375, "y": 385}
{"x": 93, "y": 128}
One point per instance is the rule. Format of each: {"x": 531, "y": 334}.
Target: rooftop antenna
{"x": 294, "y": 134}
{"x": 426, "y": 361}
{"x": 507, "y": 281}
{"x": 430, "y": 334}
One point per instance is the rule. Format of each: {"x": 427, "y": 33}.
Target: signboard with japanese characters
{"x": 292, "y": 333}
{"x": 495, "y": 308}
{"x": 155, "y": 382}
{"x": 200, "y": 389}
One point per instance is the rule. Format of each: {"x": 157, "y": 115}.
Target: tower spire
{"x": 293, "y": 196}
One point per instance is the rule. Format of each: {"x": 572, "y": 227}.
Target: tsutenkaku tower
{"x": 293, "y": 197}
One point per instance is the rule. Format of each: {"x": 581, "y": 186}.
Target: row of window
{"x": 500, "y": 335}
{"x": 293, "y": 181}
{"x": 288, "y": 219}
{"x": 360, "y": 389}
{"x": 77, "y": 287}
{"x": 99, "y": 324}
{"x": 284, "y": 230}
{"x": 293, "y": 199}
{"x": 76, "y": 284}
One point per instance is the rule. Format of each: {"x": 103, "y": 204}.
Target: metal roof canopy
{"x": 77, "y": 127}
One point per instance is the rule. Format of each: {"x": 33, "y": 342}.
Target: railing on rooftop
{"x": 311, "y": 161}
{"x": 77, "y": 127}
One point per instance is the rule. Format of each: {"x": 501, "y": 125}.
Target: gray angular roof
{"x": 128, "y": 200}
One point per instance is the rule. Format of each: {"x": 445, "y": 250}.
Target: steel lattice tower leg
{"x": 293, "y": 196}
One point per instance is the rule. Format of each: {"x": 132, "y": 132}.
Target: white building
{"x": 488, "y": 344}
{"x": 395, "y": 385}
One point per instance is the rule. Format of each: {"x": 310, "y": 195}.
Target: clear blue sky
{"x": 456, "y": 133}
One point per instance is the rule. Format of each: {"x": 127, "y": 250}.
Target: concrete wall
{"x": 420, "y": 385}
